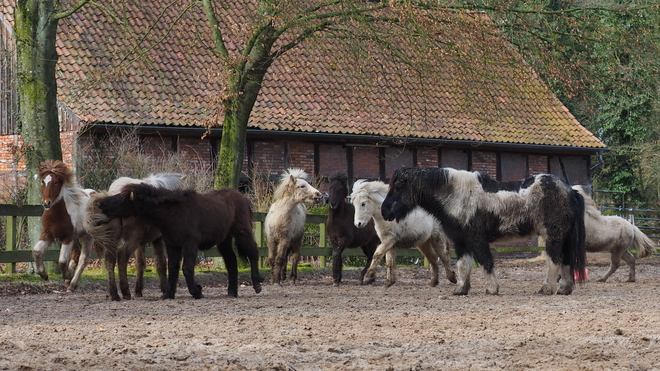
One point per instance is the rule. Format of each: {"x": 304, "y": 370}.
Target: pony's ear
{"x": 292, "y": 178}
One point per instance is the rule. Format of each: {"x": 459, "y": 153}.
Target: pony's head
{"x": 294, "y": 186}
{"x": 367, "y": 197}
{"x": 338, "y": 190}
{"x": 399, "y": 201}
{"x": 54, "y": 175}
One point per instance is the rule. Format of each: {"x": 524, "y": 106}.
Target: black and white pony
{"x": 475, "y": 210}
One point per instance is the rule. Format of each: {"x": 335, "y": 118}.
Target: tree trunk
{"x": 35, "y": 31}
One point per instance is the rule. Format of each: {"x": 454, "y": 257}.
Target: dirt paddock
{"x": 315, "y": 326}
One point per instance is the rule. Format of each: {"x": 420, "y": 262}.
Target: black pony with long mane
{"x": 191, "y": 221}
{"x": 476, "y": 210}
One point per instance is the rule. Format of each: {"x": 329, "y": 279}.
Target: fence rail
{"x": 647, "y": 220}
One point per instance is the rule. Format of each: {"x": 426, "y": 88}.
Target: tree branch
{"x": 72, "y": 10}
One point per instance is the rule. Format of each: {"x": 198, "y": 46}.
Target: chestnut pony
{"x": 64, "y": 203}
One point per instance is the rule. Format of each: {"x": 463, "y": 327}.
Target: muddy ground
{"x": 315, "y": 326}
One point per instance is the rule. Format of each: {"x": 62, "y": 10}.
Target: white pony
{"x": 109, "y": 233}
{"x": 285, "y": 222}
{"x": 419, "y": 228}
{"x": 614, "y": 234}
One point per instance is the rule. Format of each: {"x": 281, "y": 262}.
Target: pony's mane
{"x": 420, "y": 179}
{"x": 284, "y": 186}
{"x": 365, "y": 188}
{"x": 170, "y": 181}
{"x": 338, "y": 176}
{"x": 590, "y": 206}
{"x": 58, "y": 168}
{"x": 152, "y": 195}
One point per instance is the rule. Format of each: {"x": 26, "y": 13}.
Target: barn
{"x": 154, "y": 78}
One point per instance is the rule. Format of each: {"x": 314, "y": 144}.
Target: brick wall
{"x": 538, "y": 164}
{"x": 485, "y": 162}
{"x": 365, "y": 163}
{"x": 332, "y": 157}
{"x": 268, "y": 157}
{"x": 427, "y": 157}
{"x": 396, "y": 158}
{"x": 301, "y": 156}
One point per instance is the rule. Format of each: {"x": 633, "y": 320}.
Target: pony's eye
{"x": 364, "y": 204}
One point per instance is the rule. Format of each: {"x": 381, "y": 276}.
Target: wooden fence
{"x": 317, "y": 246}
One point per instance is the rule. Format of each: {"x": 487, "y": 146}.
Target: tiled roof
{"x": 306, "y": 90}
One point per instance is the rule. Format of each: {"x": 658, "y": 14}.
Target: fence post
{"x": 322, "y": 236}
{"x": 11, "y": 240}
{"x": 258, "y": 237}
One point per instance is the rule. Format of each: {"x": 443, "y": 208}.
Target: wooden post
{"x": 11, "y": 241}
{"x": 258, "y": 237}
{"x": 322, "y": 243}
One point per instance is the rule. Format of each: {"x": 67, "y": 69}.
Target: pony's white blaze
{"x": 47, "y": 179}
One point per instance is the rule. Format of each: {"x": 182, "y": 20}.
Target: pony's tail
{"x": 577, "y": 250}
{"x": 644, "y": 245}
{"x": 99, "y": 226}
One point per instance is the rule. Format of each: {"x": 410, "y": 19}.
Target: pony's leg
{"x": 189, "y": 253}
{"x": 615, "y": 262}
{"x": 85, "y": 251}
{"x": 123, "y": 255}
{"x": 552, "y": 275}
{"x": 110, "y": 258}
{"x": 295, "y": 258}
{"x": 431, "y": 256}
{"x": 390, "y": 261}
{"x": 75, "y": 257}
{"x": 566, "y": 280}
{"x": 492, "y": 286}
{"x": 630, "y": 260}
{"x": 442, "y": 250}
{"x": 231, "y": 264}
{"x": 161, "y": 263}
{"x": 140, "y": 266}
{"x": 367, "y": 264}
{"x": 38, "y": 254}
{"x": 464, "y": 268}
{"x": 337, "y": 264}
{"x": 370, "y": 276}
{"x": 173, "y": 264}
{"x": 247, "y": 247}
{"x": 65, "y": 256}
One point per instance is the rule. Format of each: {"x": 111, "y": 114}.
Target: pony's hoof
{"x": 545, "y": 291}
{"x": 460, "y": 292}
{"x": 43, "y": 275}
{"x": 115, "y": 298}
{"x": 452, "y": 277}
{"x": 335, "y": 284}
{"x": 198, "y": 296}
{"x": 257, "y": 288}
{"x": 565, "y": 291}
{"x": 127, "y": 297}
{"x": 434, "y": 283}
{"x": 369, "y": 281}
{"x": 233, "y": 294}
{"x": 166, "y": 296}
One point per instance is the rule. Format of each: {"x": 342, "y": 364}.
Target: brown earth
{"x": 315, "y": 326}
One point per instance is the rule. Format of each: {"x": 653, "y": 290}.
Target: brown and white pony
{"x": 285, "y": 222}
{"x": 64, "y": 203}
{"x": 417, "y": 229}
{"x": 614, "y": 234}
{"x": 131, "y": 234}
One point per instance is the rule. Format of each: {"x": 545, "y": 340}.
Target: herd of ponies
{"x": 423, "y": 208}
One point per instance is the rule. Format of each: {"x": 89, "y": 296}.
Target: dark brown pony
{"x": 341, "y": 230}
{"x": 189, "y": 222}
{"x": 64, "y": 205}
{"x": 120, "y": 237}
